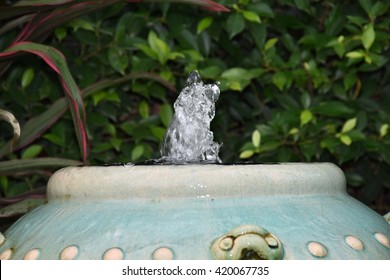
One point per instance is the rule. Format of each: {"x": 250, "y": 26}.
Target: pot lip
{"x": 206, "y": 181}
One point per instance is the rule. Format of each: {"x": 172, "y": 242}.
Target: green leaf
{"x": 60, "y": 33}
{"x": 359, "y": 21}
{"x": 368, "y": 36}
{"x": 309, "y": 149}
{"x": 355, "y": 54}
{"x": 111, "y": 129}
{"x": 368, "y": 59}
{"x": 116, "y": 143}
{"x": 204, "y": 24}
{"x": 350, "y": 80}
{"x": 210, "y": 72}
{"x": 235, "y": 74}
{"x": 284, "y": 154}
{"x": 251, "y": 16}
{"x": 305, "y": 100}
{"x": 147, "y": 50}
{"x": 143, "y": 109}
{"x": 246, "y": 154}
{"x": 81, "y": 24}
{"x": 235, "y": 24}
{"x": 238, "y": 78}
{"x": 27, "y": 77}
{"x": 100, "y": 96}
{"x": 345, "y": 139}
{"x": 306, "y": 117}
{"x": 269, "y": 146}
{"x": 354, "y": 179}
{"x": 379, "y": 8}
{"x": 366, "y": 5}
{"x": 270, "y": 43}
{"x": 302, "y": 5}
{"x": 256, "y": 138}
{"x": 174, "y": 55}
{"x": 333, "y": 109}
{"x": 158, "y": 132}
{"x": 31, "y": 151}
{"x": 166, "y": 114}
{"x": 293, "y": 131}
{"x": 118, "y": 59}
{"x": 137, "y": 152}
{"x": 159, "y": 47}
{"x": 55, "y": 139}
{"x": 384, "y": 129}
{"x": 279, "y": 79}
{"x": 349, "y": 125}
{"x": 262, "y": 9}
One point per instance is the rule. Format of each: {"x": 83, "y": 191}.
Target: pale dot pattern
{"x": 69, "y": 253}
{"x": 163, "y": 253}
{"x": 2, "y": 239}
{"x": 32, "y": 254}
{"x": 354, "y": 242}
{"x": 382, "y": 239}
{"x": 6, "y": 255}
{"x": 113, "y": 254}
{"x": 317, "y": 249}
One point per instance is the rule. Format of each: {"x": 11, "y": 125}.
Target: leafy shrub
{"x": 301, "y": 81}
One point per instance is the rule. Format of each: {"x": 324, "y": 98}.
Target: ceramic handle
{"x": 248, "y": 242}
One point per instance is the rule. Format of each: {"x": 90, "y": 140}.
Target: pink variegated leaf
{"x": 57, "y": 62}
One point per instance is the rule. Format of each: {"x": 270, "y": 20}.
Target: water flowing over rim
{"x": 194, "y": 181}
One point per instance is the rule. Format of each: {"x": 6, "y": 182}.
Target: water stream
{"x": 188, "y": 138}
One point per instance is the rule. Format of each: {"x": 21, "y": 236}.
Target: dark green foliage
{"x": 301, "y": 81}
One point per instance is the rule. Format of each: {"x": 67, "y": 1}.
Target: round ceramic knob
{"x": 247, "y": 242}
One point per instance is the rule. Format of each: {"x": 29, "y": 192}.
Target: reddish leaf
{"x": 57, "y": 62}
{"x": 44, "y": 23}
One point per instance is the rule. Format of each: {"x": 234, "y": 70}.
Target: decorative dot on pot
{"x": 32, "y": 254}
{"x": 113, "y": 254}
{"x": 382, "y": 239}
{"x": 354, "y": 242}
{"x": 6, "y": 254}
{"x": 2, "y": 239}
{"x": 69, "y": 253}
{"x": 163, "y": 253}
{"x": 317, "y": 249}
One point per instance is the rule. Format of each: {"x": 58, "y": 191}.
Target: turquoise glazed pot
{"x": 278, "y": 211}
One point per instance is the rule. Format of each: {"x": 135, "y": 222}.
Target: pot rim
{"x": 194, "y": 181}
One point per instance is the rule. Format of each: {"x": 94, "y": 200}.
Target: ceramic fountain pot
{"x": 278, "y": 211}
